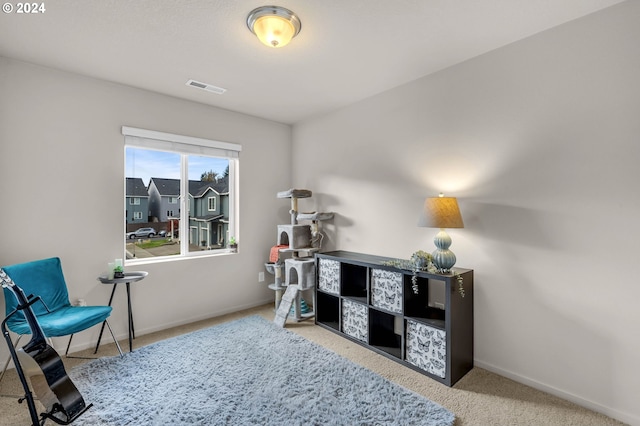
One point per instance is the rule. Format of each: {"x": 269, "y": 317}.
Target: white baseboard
{"x": 607, "y": 411}
{"x": 61, "y": 342}
{"x": 106, "y": 337}
{"x": 190, "y": 320}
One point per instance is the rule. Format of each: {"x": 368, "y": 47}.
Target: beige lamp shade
{"x": 441, "y": 212}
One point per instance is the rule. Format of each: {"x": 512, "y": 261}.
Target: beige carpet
{"x": 479, "y": 398}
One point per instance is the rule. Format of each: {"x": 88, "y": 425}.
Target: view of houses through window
{"x": 177, "y": 203}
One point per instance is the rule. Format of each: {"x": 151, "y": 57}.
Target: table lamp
{"x": 442, "y": 212}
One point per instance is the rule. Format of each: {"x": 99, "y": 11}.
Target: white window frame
{"x": 137, "y": 215}
{"x": 187, "y": 145}
{"x": 209, "y": 200}
{"x": 134, "y": 201}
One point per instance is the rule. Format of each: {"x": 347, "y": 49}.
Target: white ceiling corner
{"x": 346, "y": 51}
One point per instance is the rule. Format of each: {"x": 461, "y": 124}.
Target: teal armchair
{"x": 56, "y": 316}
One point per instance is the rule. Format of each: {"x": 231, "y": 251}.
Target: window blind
{"x": 152, "y": 139}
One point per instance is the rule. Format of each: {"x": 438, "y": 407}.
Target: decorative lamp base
{"x": 443, "y": 258}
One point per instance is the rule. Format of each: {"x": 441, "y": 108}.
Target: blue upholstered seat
{"x": 65, "y": 320}
{"x": 44, "y": 278}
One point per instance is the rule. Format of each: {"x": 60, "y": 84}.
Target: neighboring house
{"x": 137, "y": 208}
{"x": 208, "y": 212}
{"x": 208, "y": 208}
{"x": 164, "y": 199}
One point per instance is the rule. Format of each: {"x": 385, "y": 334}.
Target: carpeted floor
{"x": 480, "y": 398}
{"x": 225, "y": 375}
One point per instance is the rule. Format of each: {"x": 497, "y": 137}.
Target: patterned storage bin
{"x": 386, "y": 290}
{"x": 329, "y": 276}
{"x": 355, "y": 320}
{"x": 426, "y": 348}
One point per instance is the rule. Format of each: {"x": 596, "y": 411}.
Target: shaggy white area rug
{"x": 244, "y": 372}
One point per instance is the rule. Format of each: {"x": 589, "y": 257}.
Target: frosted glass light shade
{"x": 273, "y": 31}
{"x": 273, "y": 25}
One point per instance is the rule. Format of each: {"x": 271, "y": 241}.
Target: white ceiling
{"x": 347, "y": 50}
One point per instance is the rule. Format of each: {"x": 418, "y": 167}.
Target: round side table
{"x": 128, "y": 278}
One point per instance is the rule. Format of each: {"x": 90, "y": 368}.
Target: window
{"x": 192, "y": 187}
{"x": 135, "y": 201}
{"x": 137, "y": 215}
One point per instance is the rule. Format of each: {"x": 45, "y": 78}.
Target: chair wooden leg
{"x": 6, "y": 364}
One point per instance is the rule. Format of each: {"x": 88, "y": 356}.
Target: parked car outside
{"x": 142, "y": 232}
{"x": 162, "y": 233}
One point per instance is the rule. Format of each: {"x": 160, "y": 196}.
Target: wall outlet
{"x": 260, "y": 277}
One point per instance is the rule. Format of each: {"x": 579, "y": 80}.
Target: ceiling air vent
{"x": 207, "y": 87}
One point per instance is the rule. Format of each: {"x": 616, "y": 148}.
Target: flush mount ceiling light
{"x": 274, "y": 26}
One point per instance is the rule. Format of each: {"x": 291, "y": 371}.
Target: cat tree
{"x": 300, "y": 242}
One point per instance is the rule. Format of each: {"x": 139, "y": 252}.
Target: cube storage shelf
{"x": 375, "y": 305}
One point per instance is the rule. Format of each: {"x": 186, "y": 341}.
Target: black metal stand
{"x": 50, "y": 415}
{"x": 28, "y": 396}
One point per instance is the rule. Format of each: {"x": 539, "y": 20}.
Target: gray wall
{"x": 539, "y": 141}
{"x": 60, "y": 139}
